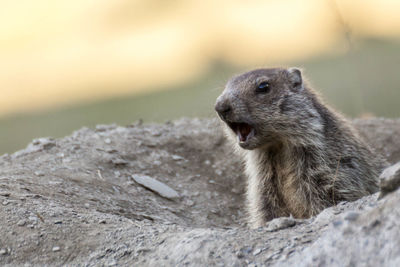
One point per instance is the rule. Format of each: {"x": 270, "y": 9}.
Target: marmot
{"x": 300, "y": 155}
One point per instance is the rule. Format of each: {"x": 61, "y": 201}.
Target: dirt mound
{"x": 172, "y": 194}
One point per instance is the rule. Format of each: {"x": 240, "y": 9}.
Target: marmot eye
{"x": 263, "y": 87}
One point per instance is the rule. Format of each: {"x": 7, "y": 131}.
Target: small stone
{"x": 119, "y": 161}
{"x": 46, "y": 142}
{"x": 235, "y": 190}
{"x": 111, "y": 263}
{"x": 207, "y": 162}
{"x": 5, "y": 194}
{"x": 156, "y": 186}
{"x": 87, "y": 205}
{"x": 107, "y": 141}
{"x": 5, "y": 202}
{"x": 177, "y": 157}
{"x": 156, "y": 134}
{"x": 3, "y": 251}
{"x": 55, "y": 249}
{"x": 102, "y": 221}
{"x": 21, "y": 223}
{"x": 246, "y": 250}
{"x": 351, "y": 216}
{"x": 280, "y": 223}
{"x": 103, "y": 127}
{"x": 256, "y": 252}
{"x": 337, "y": 223}
{"x": 190, "y": 203}
{"x": 39, "y": 173}
{"x": 58, "y": 222}
{"x": 33, "y": 218}
{"x": 239, "y": 255}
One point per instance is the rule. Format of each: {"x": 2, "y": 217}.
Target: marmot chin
{"x": 300, "y": 155}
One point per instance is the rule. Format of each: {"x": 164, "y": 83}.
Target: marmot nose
{"x": 223, "y": 109}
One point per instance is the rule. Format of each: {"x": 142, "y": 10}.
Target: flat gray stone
{"x": 280, "y": 223}
{"x": 155, "y": 186}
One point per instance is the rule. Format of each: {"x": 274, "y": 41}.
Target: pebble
{"x": 55, "y": 249}
{"x": 239, "y": 254}
{"x": 39, "y": 173}
{"x": 256, "y": 252}
{"x": 177, "y": 157}
{"x": 351, "y": 216}
{"x": 156, "y": 186}
{"x": 337, "y": 223}
{"x": 5, "y": 194}
{"x": 3, "y": 251}
{"x": 246, "y": 250}
{"x": 280, "y": 223}
{"x": 119, "y": 161}
{"x": 21, "y": 222}
{"x": 190, "y": 203}
{"x": 107, "y": 141}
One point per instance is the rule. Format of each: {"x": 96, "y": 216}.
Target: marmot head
{"x": 264, "y": 106}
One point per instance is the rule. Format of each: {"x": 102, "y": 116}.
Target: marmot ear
{"x": 295, "y": 78}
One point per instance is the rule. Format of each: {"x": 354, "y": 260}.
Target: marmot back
{"x": 300, "y": 155}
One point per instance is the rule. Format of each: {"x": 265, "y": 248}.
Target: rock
{"x": 21, "y": 222}
{"x": 280, "y": 223}
{"x": 5, "y": 194}
{"x": 155, "y": 186}
{"x": 109, "y": 219}
{"x": 39, "y": 173}
{"x": 177, "y": 157}
{"x": 3, "y": 251}
{"x": 390, "y": 179}
{"x": 351, "y": 216}
{"x": 256, "y": 252}
{"x": 119, "y": 161}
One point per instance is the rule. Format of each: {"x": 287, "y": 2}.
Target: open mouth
{"x": 243, "y": 131}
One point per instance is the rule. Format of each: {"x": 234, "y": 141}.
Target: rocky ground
{"x": 172, "y": 194}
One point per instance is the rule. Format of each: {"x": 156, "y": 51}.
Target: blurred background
{"x": 70, "y": 63}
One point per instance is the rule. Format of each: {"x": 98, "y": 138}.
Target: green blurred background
{"x": 161, "y": 60}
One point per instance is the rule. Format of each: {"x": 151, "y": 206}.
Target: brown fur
{"x": 303, "y": 156}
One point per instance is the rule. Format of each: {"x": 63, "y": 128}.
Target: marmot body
{"x": 300, "y": 155}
